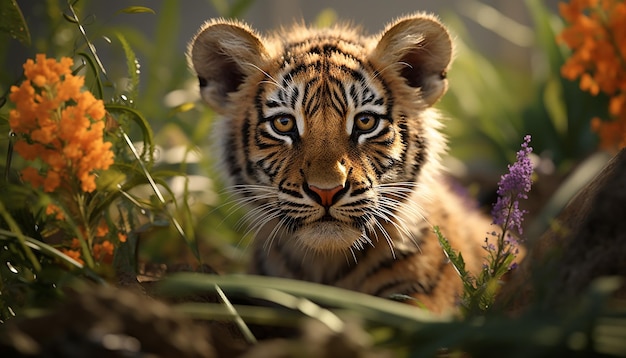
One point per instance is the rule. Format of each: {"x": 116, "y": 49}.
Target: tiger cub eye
{"x": 365, "y": 122}
{"x": 284, "y": 124}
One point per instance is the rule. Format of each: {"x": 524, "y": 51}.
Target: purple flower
{"x": 512, "y": 187}
{"x": 489, "y": 246}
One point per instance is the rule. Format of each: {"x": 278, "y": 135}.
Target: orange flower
{"x": 60, "y": 124}
{"x": 121, "y": 237}
{"x": 75, "y": 244}
{"x": 55, "y": 211}
{"x": 32, "y": 176}
{"x": 596, "y": 33}
{"x": 102, "y": 230}
{"x": 75, "y": 254}
{"x": 104, "y": 252}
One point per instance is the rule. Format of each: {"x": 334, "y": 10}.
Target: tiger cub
{"x": 330, "y": 136}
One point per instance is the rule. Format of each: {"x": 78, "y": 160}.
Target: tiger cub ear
{"x": 420, "y": 48}
{"x": 223, "y": 54}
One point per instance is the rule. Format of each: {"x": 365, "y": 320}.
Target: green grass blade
{"x": 245, "y": 330}
{"x": 374, "y": 309}
{"x": 192, "y": 243}
{"x": 15, "y": 228}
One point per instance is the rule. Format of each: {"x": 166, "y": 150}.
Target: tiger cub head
{"x": 328, "y": 133}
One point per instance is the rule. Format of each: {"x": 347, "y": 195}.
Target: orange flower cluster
{"x": 60, "y": 124}
{"x": 102, "y": 249}
{"x": 596, "y": 33}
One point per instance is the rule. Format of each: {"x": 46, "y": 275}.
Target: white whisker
{"x": 378, "y": 73}
{"x": 255, "y": 214}
{"x": 272, "y": 79}
{"x": 267, "y": 244}
{"x": 387, "y": 238}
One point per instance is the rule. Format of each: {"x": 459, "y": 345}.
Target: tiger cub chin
{"x": 330, "y": 138}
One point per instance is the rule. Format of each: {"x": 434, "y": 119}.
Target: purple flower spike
{"x": 512, "y": 187}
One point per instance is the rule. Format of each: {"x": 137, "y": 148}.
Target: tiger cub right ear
{"x": 423, "y": 48}
{"x": 223, "y": 54}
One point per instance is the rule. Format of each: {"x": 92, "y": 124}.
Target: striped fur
{"x": 330, "y": 138}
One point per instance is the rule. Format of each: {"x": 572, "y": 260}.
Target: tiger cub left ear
{"x": 223, "y": 54}
{"x": 420, "y": 48}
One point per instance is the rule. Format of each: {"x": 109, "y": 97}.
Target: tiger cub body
{"x": 330, "y": 138}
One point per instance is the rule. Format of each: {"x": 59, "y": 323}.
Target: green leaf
{"x": 13, "y": 22}
{"x": 545, "y": 33}
{"x": 456, "y": 259}
{"x": 136, "y": 10}
{"x": 133, "y": 66}
{"x": 140, "y": 120}
{"x": 98, "y": 91}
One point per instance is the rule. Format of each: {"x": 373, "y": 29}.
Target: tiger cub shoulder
{"x": 330, "y": 137}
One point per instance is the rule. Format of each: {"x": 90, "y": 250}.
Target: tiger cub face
{"x": 329, "y": 134}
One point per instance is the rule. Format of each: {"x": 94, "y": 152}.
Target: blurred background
{"x": 505, "y": 83}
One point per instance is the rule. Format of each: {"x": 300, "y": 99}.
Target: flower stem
{"x": 85, "y": 242}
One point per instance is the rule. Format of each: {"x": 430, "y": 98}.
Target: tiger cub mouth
{"x": 334, "y": 224}
{"x": 329, "y": 235}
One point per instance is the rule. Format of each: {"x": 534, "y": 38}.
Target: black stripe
{"x": 336, "y": 105}
{"x": 313, "y": 66}
{"x": 382, "y": 132}
{"x": 385, "y": 143}
{"x": 267, "y": 170}
{"x": 295, "y": 194}
{"x": 272, "y": 104}
{"x": 250, "y": 168}
{"x": 274, "y": 165}
{"x": 231, "y": 161}
{"x": 357, "y": 75}
{"x": 359, "y": 191}
{"x": 266, "y": 135}
{"x": 294, "y": 97}
{"x": 328, "y": 49}
{"x": 420, "y": 156}
{"x": 386, "y": 158}
{"x": 282, "y": 188}
{"x": 353, "y": 94}
{"x": 339, "y": 100}
{"x": 403, "y": 131}
{"x": 262, "y": 145}
{"x": 362, "y": 202}
{"x": 415, "y": 285}
{"x": 293, "y": 266}
{"x": 309, "y": 99}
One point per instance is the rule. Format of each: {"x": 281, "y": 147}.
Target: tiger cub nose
{"x": 326, "y": 196}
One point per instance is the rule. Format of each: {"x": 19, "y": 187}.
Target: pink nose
{"x": 326, "y": 195}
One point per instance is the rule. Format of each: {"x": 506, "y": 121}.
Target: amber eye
{"x": 283, "y": 124}
{"x": 365, "y": 122}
